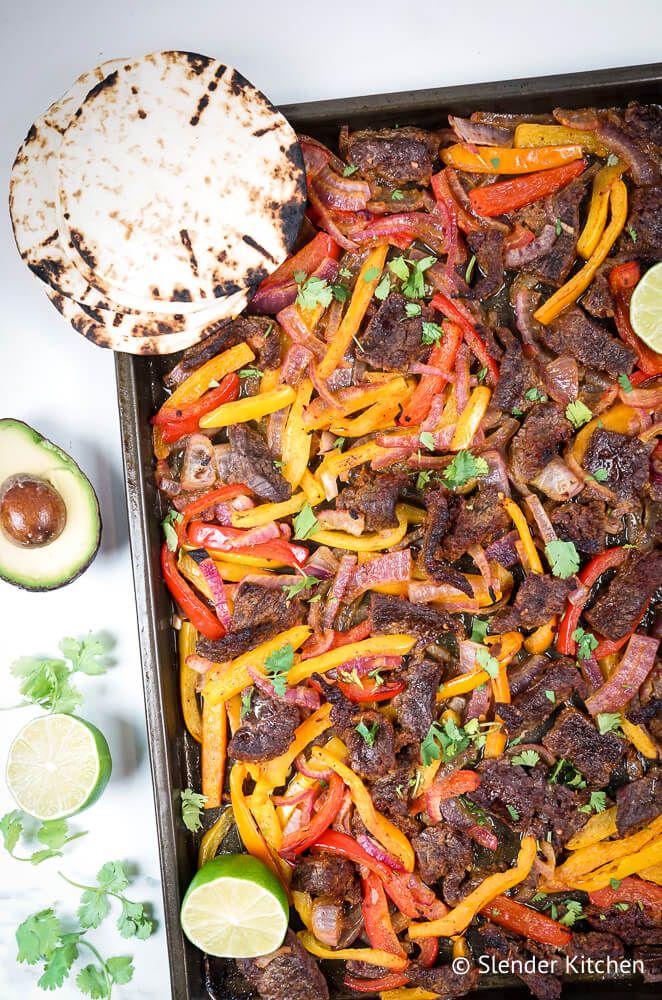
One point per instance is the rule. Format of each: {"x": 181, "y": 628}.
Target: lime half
{"x": 235, "y": 907}
{"x": 57, "y": 765}
{"x": 646, "y": 308}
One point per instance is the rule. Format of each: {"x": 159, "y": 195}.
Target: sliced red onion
{"x": 253, "y": 536}
{"x": 315, "y": 157}
{"x": 302, "y": 767}
{"x": 468, "y": 652}
{"x": 539, "y": 514}
{"x": 327, "y": 222}
{"x": 420, "y": 592}
{"x": 635, "y": 666}
{"x": 540, "y": 246}
{"x": 392, "y": 567}
{"x": 557, "y": 482}
{"x": 292, "y": 800}
{"x": 294, "y": 326}
{"x": 346, "y": 194}
{"x": 497, "y": 473}
{"x": 272, "y": 298}
{"x": 434, "y": 413}
{"x": 198, "y": 465}
{"x": 366, "y": 664}
{"x": 561, "y": 378}
{"x": 479, "y": 133}
{"x": 462, "y": 198}
{"x": 462, "y": 377}
{"x": 378, "y": 852}
{"x": 418, "y": 368}
{"x": 296, "y": 361}
{"x": 477, "y": 553}
{"x": 216, "y": 586}
{"x": 322, "y": 564}
{"x": 486, "y": 838}
{"x": 305, "y": 697}
{"x": 404, "y": 441}
{"x": 479, "y": 703}
{"x": 407, "y": 226}
{"x": 327, "y": 442}
{"x": 396, "y": 455}
{"x": 341, "y": 520}
{"x": 321, "y": 386}
{"x": 326, "y": 918}
{"x": 275, "y": 428}
{"x": 329, "y": 155}
{"x": 590, "y": 671}
{"x": 503, "y": 550}
{"x": 525, "y": 303}
{"x": 338, "y": 589}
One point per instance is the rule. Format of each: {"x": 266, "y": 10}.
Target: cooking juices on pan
{"x": 413, "y": 543}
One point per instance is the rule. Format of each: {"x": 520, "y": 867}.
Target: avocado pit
{"x": 32, "y": 512}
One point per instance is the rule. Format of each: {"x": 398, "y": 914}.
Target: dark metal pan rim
{"x": 138, "y": 389}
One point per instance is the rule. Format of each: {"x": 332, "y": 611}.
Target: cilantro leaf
{"x": 586, "y": 643}
{"x": 120, "y": 969}
{"x": 563, "y": 558}
{"x": 132, "y": 921}
{"x": 578, "y": 413}
{"x": 431, "y": 745}
{"x": 423, "y": 478}
{"x": 625, "y": 383}
{"x": 37, "y": 936}
{"x": 551, "y": 696}
{"x": 632, "y": 233}
{"x": 615, "y": 883}
{"x": 277, "y": 665}
{"x": 573, "y": 912}
{"x": 305, "y": 523}
{"x": 600, "y": 475}
{"x": 414, "y": 286}
{"x": 612, "y": 160}
{"x": 58, "y": 966}
{"x": 479, "y": 629}
{"x": 397, "y": 195}
{"x": 527, "y": 758}
{"x": 495, "y": 161}
{"x": 487, "y": 662}
{"x": 412, "y": 309}
{"x": 384, "y": 287}
{"x": 597, "y": 803}
{"x": 399, "y": 267}
{"x": 192, "y": 805}
{"x": 463, "y": 468}
{"x": 292, "y": 589}
{"x": 340, "y": 292}
{"x": 250, "y": 372}
{"x": 93, "y": 982}
{"x": 432, "y": 333}
{"x": 85, "y": 655}
{"x": 54, "y": 833}
{"x": 535, "y": 395}
{"x": 369, "y": 733}
{"x": 514, "y": 815}
{"x": 350, "y": 169}
{"x": 46, "y": 682}
{"x": 93, "y": 908}
{"x": 371, "y": 274}
{"x": 312, "y": 291}
{"x": 608, "y": 722}
{"x": 427, "y": 440}
{"x": 246, "y": 699}
{"x": 168, "y": 524}
{"x": 558, "y": 227}
{"x": 11, "y": 827}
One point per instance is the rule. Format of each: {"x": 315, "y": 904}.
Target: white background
{"x": 55, "y": 380}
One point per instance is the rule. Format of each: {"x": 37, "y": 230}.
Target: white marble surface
{"x": 52, "y": 378}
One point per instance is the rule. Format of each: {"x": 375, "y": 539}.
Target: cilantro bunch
{"x": 47, "y": 682}
{"x": 53, "y": 834}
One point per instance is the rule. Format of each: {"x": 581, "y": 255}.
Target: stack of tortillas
{"x": 153, "y": 198}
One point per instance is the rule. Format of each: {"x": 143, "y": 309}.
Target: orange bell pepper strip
{"x": 214, "y": 749}
{"x": 250, "y": 835}
{"x": 378, "y": 645}
{"x": 598, "y": 856}
{"x": 619, "y": 869}
{"x": 371, "y": 956}
{"x": 470, "y": 418}
{"x": 508, "y": 160}
{"x": 570, "y": 292}
{"x": 459, "y": 918}
{"x": 377, "y": 417}
{"x": 233, "y": 677}
{"x": 320, "y": 414}
{"x": 381, "y": 828}
{"x": 176, "y": 423}
{"x": 188, "y": 680}
{"x": 640, "y": 740}
{"x": 520, "y": 522}
{"x": 508, "y": 196}
{"x": 366, "y": 282}
{"x": 509, "y": 643}
{"x": 529, "y": 134}
{"x": 621, "y": 418}
{"x": 213, "y": 838}
{"x": 599, "y": 827}
{"x": 474, "y": 341}
{"x": 596, "y": 220}
{"x": 442, "y": 357}
{"x": 373, "y": 541}
{"x": 296, "y": 440}
{"x": 542, "y": 638}
{"x": 462, "y": 684}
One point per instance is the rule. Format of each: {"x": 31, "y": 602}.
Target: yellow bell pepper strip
{"x": 192, "y": 388}
{"x": 249, "y": 408}
{"x": 378, "y": 417}
{"x": 460, "y": 947}
{"x": 249, "y": 832}
{"x": 508, "y": 160}
{"x": 214, "y": 749}
{"x": 462, "y": 684}
{"x": 377, "y": 645}
{"x": 239, "y": 559}
{"x": 620, "y": 417}
{"x": 233, "y": 708}
{"x": 459, "y": 918}
{"x": 601, "y": 854}
{"x": 648, "y": 856}
{"x": 542, "y": 638}
{"x": 558, "y": 135}
{"x": 274, "y": 772}
{"x": 264, "y": 812}
{"x": 596, "y": 220}
{"x": 510, "y": 643}
{"x": 408, "y": 993}
{"x": 599, "y": 827}
{"x": 414, "y": 515}
{"x": 213, "y": 838}
{"x": 366, "y": 282}
{"x": 235, "y": 573}
{"x": 267, "y": 513}
{"x": 470, "y": 418}
{"x": 392, "y": 839}
{"x": 371, "y": 956}
{"x": 303, "y": 904}
{"x": 296, "y": 439}
{"x": 371, "y": 542}
{"x": 320, "y": 416}
{"x": 234, "y": 677}
{"x": 652, "y": 874}
{"x": 299, "y": 783}
{"x": 188, "y": 680}
{"x": 639, "y": 739}
{"x": 191, "y": 571}
{"x": 312, "y": 489}
{"x": 270, "y": 379}
{"x": 520, "y": 522}
{"x": 340, "y": 463}
{"x": 570, "y": 292}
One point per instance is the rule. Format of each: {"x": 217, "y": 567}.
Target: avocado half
{"x": 61, "y": 552}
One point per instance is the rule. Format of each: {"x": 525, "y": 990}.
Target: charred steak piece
{"x": 266, "y": 731}
{"x": 617, "y": 611}
{"x": 583, "y": 524}
{"x": 326, "y": 875}
{"x": 534, "y": 706}
{"x": 391, "y": 615}
{"x": 289, "y": 973}
{"x": 374, "y": 496}
{"x": 539, "y": 597}
{"x": 251, "y": 462}
{"x": 587, "y": 341}
{"x": 575, "y": 738}
{"x": 624, "y": 459}
{"x": 371, "y": 746}
{"x": 416, "y": 707}
{"x": 397, "y": 156}
{"x": 645, "y": 221}
{"x": 479, "y": 519}
{"x": 639, "y": 802}
{"x": 562, "y": 211}
{"x": 391, "y": 340}
{"x": 260, "y": 613}
{"x": 440, "y": 851}
{"x": 537, "y": 441}
{"x": 632, "y": 926}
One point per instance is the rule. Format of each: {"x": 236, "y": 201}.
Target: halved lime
{"x": 57, "y": 765}
{"x": 646, "y": 308}
{"x": 235, "y": 907}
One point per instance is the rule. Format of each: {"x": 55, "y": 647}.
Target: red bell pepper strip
{"x": 322, "y": 643}
{"x": 334, "y": 842}
{"x": 370, "y": 689}
{"x": 442, "y": 357}
{"x": 205, "y": 502}
{"x": 429, "y": 949}
{"x": 299, "y": 840}
{"x": 526, "y": 921}
{"x": 309, "y": 259}
{"x": 175, "y": 423}
{"x": 448, "y": 788}
{"x": 631, "y": 890}
{"x": 622, "y": 281}
{"x": 606, "y": 647}
{"x": 376, "y": 916}
{"x": 442, "y": 192}
{"x": 475, "y": 343}
{"x": 217, "y": 537}
{"x": 390, "y": 982}
{"x": 200, "y": 616}
{"x": 588, "y": 576}
{"x": 508, "y": 196}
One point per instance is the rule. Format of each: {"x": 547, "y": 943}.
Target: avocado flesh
{"x": 24, "y": 451}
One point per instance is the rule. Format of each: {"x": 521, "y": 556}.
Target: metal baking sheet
{"x": 173, "y": 755}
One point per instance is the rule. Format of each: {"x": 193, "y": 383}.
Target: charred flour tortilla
{"x": 179, "y": 184}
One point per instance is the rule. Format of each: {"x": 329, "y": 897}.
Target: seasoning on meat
{"x": 266, "y": 730}
{"x": 619, "y": 608}
{"x": 538, "y": 440}
{"x": 575, "y": 738}
{"x": 589, "y": 342}
{"x": 624, "y": 459}
{"x": 250, "y": 462}
{"x": 375, "y": 497}
{"x": 392, "y": 341}
{"x": 397, "y": 156}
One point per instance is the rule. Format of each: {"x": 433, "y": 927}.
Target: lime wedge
{"x": 235, "y": 907}
{"x": 57, "y": 765}
{"x": 646, "y": 308}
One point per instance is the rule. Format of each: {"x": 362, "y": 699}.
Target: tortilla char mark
{"x": 186, "y": 241}
{"x": 78, "y": 244}
{"x": 260, "y": 249}
{"x": 106, "y": 84}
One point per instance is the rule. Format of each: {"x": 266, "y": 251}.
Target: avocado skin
{"x": 42, "y": 441}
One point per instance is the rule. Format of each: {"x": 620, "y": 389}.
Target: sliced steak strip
{"x": 437, "y": 523}
{"x": 266, "y": 731}
{"x": 372, "y": 755}
{"x": 645, "y": 221}
{"x": 441, "y": 851}
{"x": 534, "y": 706}
{"x": 632, "y": 926}
{"x": 250, "y": 461}
{"x": 289, "y": 973}
{"x": 260, "y": 613}
{"x": 502, "y": 946}
{"x": 575, "y": 738}
{"x": 392, "y": 341}
{"x": 235, "y": 643}
{"x": 587, "y": 341}
{"x": 415, "y": 707}
{"x": 526, "y": 673}
{"x": 374, "y": 496}
{"x": 584, "y": 524}
{"x": 391, "y": 615}
{"x": 617, "y": 611}
{"x": 539, "y": 597}
{"x": 538, "y": 439}
{"x": 624, "y": 459}
{"x": 397, "y": 156}
{"x": 479, "y": 519}
{"x": 639, "y": 802}
{"x": 443, "y": 981}
{"x": 488, "y": 249}
{"x": 554, "y": 267}
{"x": 390, "y": 796}
{"x": 326, "y": 875}
{"x": 516, "y": 376}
